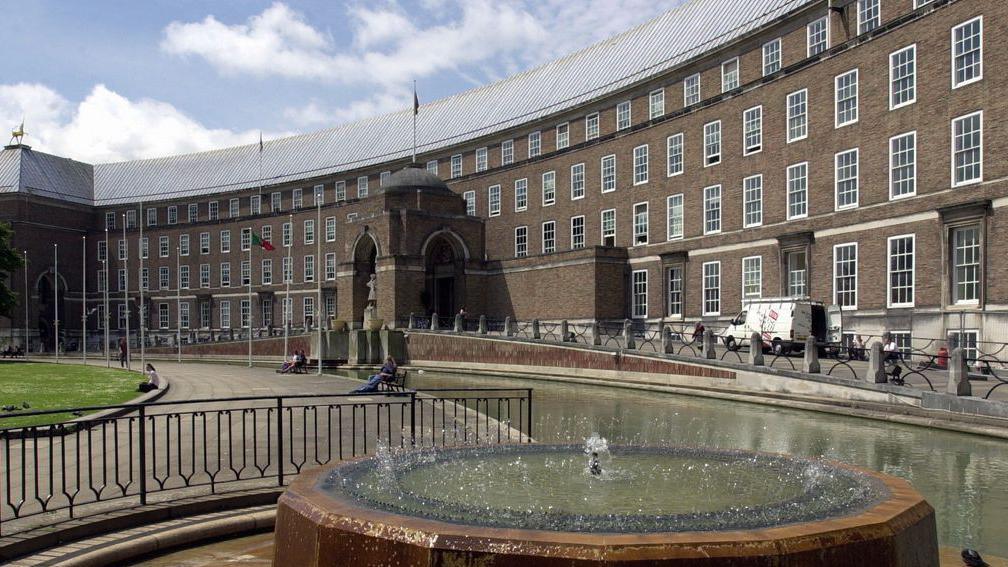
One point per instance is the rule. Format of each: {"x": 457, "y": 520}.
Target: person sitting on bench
{"x": 386, "y": 373}
{"x": 289, "y": 365}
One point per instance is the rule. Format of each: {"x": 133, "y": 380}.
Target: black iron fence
{"x": 166, "y": 450}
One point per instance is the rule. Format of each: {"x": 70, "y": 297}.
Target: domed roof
{"x": 414, "y": 178}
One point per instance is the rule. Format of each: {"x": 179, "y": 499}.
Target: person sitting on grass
{"x": 386, "y": 374}
{"x": 153, "y": 380}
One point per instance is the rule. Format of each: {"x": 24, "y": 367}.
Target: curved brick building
{"x": 844, "y": 150}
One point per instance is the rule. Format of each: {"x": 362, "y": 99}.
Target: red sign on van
{"x": 773, "y": 314}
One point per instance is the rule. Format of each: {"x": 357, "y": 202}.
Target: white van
{"x": 784, "y": 323}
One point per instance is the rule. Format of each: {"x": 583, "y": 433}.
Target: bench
{"x": 396, "y": 384}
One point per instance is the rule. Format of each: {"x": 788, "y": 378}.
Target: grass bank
{"x": 45, "y": 386}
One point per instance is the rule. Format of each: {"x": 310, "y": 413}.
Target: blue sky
{"x": 110, "y": 80}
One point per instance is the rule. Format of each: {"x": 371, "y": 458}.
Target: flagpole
{"x": 108, "y": 360}
{"x": 27, "y": 299}
{"x": 143, "y": 306}
{"x": 250, "y": 300}
{"x": 84, "y": 299}
{"x": 416, "y": 105}
{"x": 319, "y": 263}
{"x": 178, "y": 300}
{"x": 126, "y": 290}
{"x": 287, "y": 279}
{"x": 56, "y": 298}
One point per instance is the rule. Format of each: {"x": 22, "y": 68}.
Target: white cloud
{"x": 107, "y": 126}
{"x": 317, "y": 114}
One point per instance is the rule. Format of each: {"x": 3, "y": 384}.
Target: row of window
{"x": 965, "y": 275}
{"x": 183, "y": 309}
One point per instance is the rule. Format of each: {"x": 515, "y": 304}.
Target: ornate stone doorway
{"x": 444, "y": 267}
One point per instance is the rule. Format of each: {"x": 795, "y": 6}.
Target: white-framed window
{"x": 967, "y": 149}
{"x": 712, "y": 209}
{"x": 549, "y": 237}
{"x": 623, "y": 115}
{"x": 145, "y": 279}
{"x": 968, "y": 339}
{"x": 266, "y": 273}
{"x": 318, "y": 194}
{"x": 145, "y": 247}
{"x": 562, "y": 136}
{"x": 183, "y": 244}
{"x": 640, "y": 165}
{"x": 674, "y": 153}
{"x": 846, "y": 97}
{"x": 967, "y": 52}
{"x": 797, "y": 116}
{"x": 245, "y": 313}
{"x": 213, "y": 210}
{"x": 608, "y": 173}
{"x": 362, "y": 186}
{"x": 901, "y": 270}
{"x": 771, "y": 57}
{"x": 330, "y": 229}
{"x": 729, "y": 75}
{"x": 297, "y": 198}
{"x": 103, "y": 249}
{"x": 591, "y": 126}
{"x": 548, "y": 188}
{"x": 640, "y": 224}
{"x": 225, "y": 314}
{"x": 255, "y": 204}
{"x": 234, "y": 207}
{"x": 752, "y": 130}
{"x": 712, "y": 143}
{"x": 521, "y": 241}
{"x": 674, "y": 279}
{"x": 638, "y": 294}
{"x": 276, "y": 202}
{"x": 193, "y": 212}
{"x": 245, "y": 239}
{"x": 432, "y": 166}
{"x": 712, "y": 288}
{"x": 124, "y": 281}
{"x": 656, "y": 103}
{"x": 845, "y": 178}
{"x": 162, "y": 246}
{"x": 752, "y": 277}
{"x": 868, "y": 17}
{"x": 287, "y": 311}
{"x": 481, "y": 159}
{"x": 123, "y": 249}
{"x": 339, "y": 188}
{"x": 266, "y": 232}
{"x": 172, "y": 215}
{"x": 845, "y": 275}
{"x": 534, "y": 144}
{"x": 204, "y": 243}
{"x": 494, "y": 200}
{"x": 903, "y": 77}
{"x": 225, "y": 241}
{"x": 308, "y": 231}
{"x": 287, "y": 269}
{"x": 577, "y": 232}
{"x": 966, "y": 267}
{"x": 267, "y": 313}
{"x": 308, "y": 309}
{"x": 245, "y": 269}
{"x": 521, "y": 195}
{"x": 184, "y": 314}
{"x": 131, "y": 218}
{"x": 818, "y": 36}
{"x": 456, "y": 166}
{"x": 164, "y": 277}
{"x": 183, "y": 274}
{"x": 225, "y": 274}
{"x": 691, "y": 89}
{"x": 286, "y": 234}
{"x": 674, "y": 216}
{"x": 903, "y": 165}
{"x": 797, "y": 184}
{"x": 507, "y": 152}
{"x": 797, "y": 268}
{"x": 577, "y": 181}
{"x": 309, "y": 268}
{"x": 163, "y": 321}
{"x": 330, "y": 266}
{"x": 608, "y": 222}
{"x": 152, "y": 215}
{"x": 752, "y": 201}
{"x": 470, "y": 201}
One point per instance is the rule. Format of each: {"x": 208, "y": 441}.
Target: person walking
{"x": 123, "y": 352}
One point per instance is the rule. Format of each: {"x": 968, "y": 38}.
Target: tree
{"x": 10, "y": 261}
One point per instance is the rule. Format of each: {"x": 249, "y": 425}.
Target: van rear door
{"x": 834, "y": 328}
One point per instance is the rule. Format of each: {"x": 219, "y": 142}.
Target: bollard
{"x": 756, "y": 350}
{"x": 668, "y": 345}
{"x": 535, "y": 329}
{"x": 459, "y": 323}
{"x": 958, "y": 374}
{"x": 482, "y": 325}
{"x": 434, "y": 322}
{"x": 811, "y": 364}
{"x": 709, "y": 345}
{"x": 412, "y": 321}
{"x": 596, "y": 338}
{"x": 628, "y": 335}
{"x": 508, "y": 327}
{"x": 564, "y": 331}
{"x": 953, "y": 341}
{"x": 876, "y": 365}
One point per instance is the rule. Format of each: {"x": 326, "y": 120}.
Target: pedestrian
{"x": 857, "y": 348}
{"x": 123, "y": 352}
{"x": 153, "y": 380}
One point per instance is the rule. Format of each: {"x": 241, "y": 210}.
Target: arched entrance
{"x": 365, "y": 257}
{"x": 444, "y": 268}
{"x": 49, "y": 307}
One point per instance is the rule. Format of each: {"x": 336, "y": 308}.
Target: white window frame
{"x": 339, "y": 188}
{"x": 674, "y": 211}
{"x": 892, "y": 166}
{"x": 456, "y": 166}
{"x": 805, "y": 191}
{"x": 482, "y": 159}
{"x": 549, "y": 244}
{"x": 979, "y": 264}
{"x": 577, "y": 241}
{"x": 624, "y": 115}
{"x": 712, "y": 212}
{"x": 855, "y": 275}
{"x": 656, "y": 103}
{"x": 432, "y": 167}
{"x": 470, "y": 200}
{"x": 640, "y": 165}
{"x": 534, "y": 149}
{"x": 548, "y": 180}
{"x": 747, "y": 193}
{"x": 748, "y": 150}
{"x": 727, "y": 75}
{"x": 610, "y": 179}
{"x": 893, "y": 105}
{"x": 861, "y": 23}
{"x": 913, "y": 271}
{"x": 979, "y": 178}
{"x": 639, "y": 290}
{"x": 674, "y": 285}
{"x": 591, "y": 126}
{"x": 362, "y": 186}
{"x": 577, "y": 181}
{"x": 521, "y": 205}
{"x": 808, "y": 36}
{"x": 769, "y": 50}
{"x": 674, "y": 149}
{"x": 837, "y": 180}
{"x": 507, "y": 152}
{"x": 641, "y": 230}
{"x": 712, "y": 129}
{"x": 494, "y": 204}
{"x": 803, "y": 115}
{"x": 836, "y": 99}
{"x": 562, "y": 136}
{"x": 602, "y": 227}
{"x": 759, "y": 277}
{"x": 330, "y": 266}
{"x": 979, "y": 76}
{"x": 522, "y": 251}
{"x": 691, "y": 90}
{"x": 716, "y": 289}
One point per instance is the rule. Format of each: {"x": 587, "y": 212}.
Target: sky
{"x": 111, "y": 80}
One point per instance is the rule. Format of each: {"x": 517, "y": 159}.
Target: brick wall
{"x": 260, "y": 347}
{"x": 454, "y": 348}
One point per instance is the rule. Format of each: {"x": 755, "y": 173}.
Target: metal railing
{"x": 167, "y": 450}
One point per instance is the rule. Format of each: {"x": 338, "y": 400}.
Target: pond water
{"x": 965, "y": 477}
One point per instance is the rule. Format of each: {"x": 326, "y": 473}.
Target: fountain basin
{"x": 538, "y": 505}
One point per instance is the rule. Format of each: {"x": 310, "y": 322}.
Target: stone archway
{"x": 50, "y": 307}
{"x": 365, "y": 256}
{"x": 444, "y": 274}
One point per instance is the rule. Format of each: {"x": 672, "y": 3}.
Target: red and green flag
{"x": 264, "y": 244}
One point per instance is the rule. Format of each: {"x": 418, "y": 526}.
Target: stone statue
{"x": 371, "y": 297}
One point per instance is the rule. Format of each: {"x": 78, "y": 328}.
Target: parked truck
{"x": 784, "y": 323}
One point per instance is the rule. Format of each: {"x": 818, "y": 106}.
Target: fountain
{"x": 546, "y": 504}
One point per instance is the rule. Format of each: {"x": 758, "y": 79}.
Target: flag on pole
{"x": 260, "y": 142}
{"x": 416, "y": 101}
{"x": 264, "y": 244}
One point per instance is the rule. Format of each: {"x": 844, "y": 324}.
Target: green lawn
{"x": 52, "y": 386}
